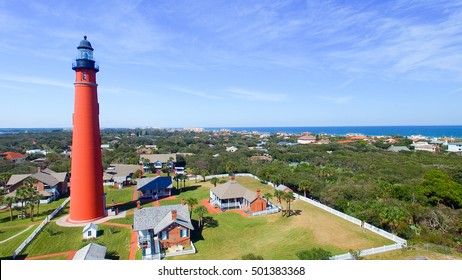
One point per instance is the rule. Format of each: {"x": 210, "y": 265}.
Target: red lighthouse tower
{"x": 87, "y": 193}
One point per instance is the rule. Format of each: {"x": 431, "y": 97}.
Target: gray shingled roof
{"x": 46, "y": 176}
{"x": 92, "y": 251}
{"x": 16, "y": 178}
{"x": 160, "y": 217}
{"x": 159, "y": 157}
{"x": 233, "y": 189}
{"x": 120, "y": 170}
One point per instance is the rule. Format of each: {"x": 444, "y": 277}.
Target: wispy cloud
{"x": 457, "y": 90}
{"x": 344, "y": 84}
{"x": 250, "y": 95}
{"x": 194, "y": 93}
{"x": 34, "y": 80}
{"x": 337, "y": 99}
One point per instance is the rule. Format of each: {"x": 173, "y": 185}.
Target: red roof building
{"x": 14, "y": 157}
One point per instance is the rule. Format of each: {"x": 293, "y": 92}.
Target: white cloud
{"x": 194, "y": 93}
{"x": 249, "y": 95}
{"x": 34, "y": 80}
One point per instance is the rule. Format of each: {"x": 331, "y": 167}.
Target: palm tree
{"x": 288, "y": 197}
{"x": 305, "y": 186}
{"x": 4, "y": 177}
{"x": 200, "y": 211}
{"x": 267, "y": 196}
{"x": 191, "y": 201}
{"x": 279, "y": 195}
{"x": 214, "y": 181}
{"x": 9, "y": 200}
{"x": 32, "y": 197}
{"x": 177, "y": 179}
{"x": 21, "y": 195}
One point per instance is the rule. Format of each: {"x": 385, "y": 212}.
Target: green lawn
{"x": 6, "y": 233}
{"x": 70, "y": 238}
{"x": 7, "y": 248}
{"x": 118, "y": 195}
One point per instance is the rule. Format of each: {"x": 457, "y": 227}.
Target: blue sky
{"x": 235, "y": 63}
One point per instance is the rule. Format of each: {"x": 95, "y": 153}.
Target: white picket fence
{"x": 266, "y": 212}
{"x": 39, "y": 228}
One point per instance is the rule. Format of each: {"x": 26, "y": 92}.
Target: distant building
{"x": 455, "y": 147}
{"x": 119, "y": 175}
{"x": 231, "y": 149}
{"x": 51, "y": 185}
{"x": 306, "y": 139}
{"x": 398, "y": 149}
{"x": 14, "y": 157}
{"x": 424, "y": 146}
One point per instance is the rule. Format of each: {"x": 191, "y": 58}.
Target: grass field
{"x": 70, "y": 238}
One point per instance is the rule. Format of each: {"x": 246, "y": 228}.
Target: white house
{"x": 306, "y": 139}
{"x": 90, "y": 231}
{"x": 455, "y": 147}
{"x": 424, "y": 146}
{"x": 231, "y": 149}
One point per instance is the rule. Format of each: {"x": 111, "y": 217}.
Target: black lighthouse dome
{"x": 85, "y": 44}
{"x": 84, "y": 59}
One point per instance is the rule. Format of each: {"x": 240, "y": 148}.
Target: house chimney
{"x": 258, "y": 192}
{"x": 138, "y": 205}
{"x": 173, "y": 214}
{"x": 182, "y": 201}
{"x": 39, "y": 169}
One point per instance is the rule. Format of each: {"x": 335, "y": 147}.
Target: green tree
{"x": 8, "y": 201}
{"x": 231, "y": 167}
{"x": 288, "y": 197}
{"x": 279, "y": 196}
{"x": 192, "y": 202}
{"x": 305, "y": 186}
{"x": 439, "y": 188}
{"x": 200, "y": 211}
{"x": 214, "y": 181}
{"x": 267, "y": 196}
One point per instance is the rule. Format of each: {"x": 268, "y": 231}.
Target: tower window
{"x": 84, "y": 76}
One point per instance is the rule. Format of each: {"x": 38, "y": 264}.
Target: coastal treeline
{"x": 416, "y": 194}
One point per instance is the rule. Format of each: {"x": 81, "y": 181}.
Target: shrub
{"x": 314, "y": 254}
{"x": 251, "y": 257}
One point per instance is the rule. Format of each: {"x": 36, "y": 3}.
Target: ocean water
{"x": 454, "y": 131}
{"x": 428, "y": 131}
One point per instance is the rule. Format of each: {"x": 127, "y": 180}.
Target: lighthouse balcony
{"x": 84, "y": 64}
